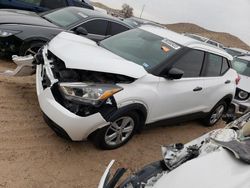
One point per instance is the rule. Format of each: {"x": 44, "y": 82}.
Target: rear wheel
{"x": 31, "y": 48}
{"x": 215, "y": 114}
{"x": 118, "y": 133}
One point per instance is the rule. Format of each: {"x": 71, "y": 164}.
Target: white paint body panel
{"x": 223, "y": 171}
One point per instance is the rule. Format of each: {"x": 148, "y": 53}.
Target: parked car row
{"x": 23, "y": 33}
{"x": 104, "y": 79}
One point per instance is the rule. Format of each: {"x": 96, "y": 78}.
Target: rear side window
{"x": 213, "y": 65}
{"x": 116, "y": 28}
{"x": 191, "y": 63}
{"x": 225, "y": 66}
{"x": 53, "y": 4}
{"x": 97, "y": 27}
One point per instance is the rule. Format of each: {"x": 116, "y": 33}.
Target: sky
{"x": 231, "y": 16}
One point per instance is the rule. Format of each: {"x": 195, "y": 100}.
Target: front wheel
{"x": 118, "y": 133}
{"x": 215, "y": 114}
{"x": 31, "y": 48}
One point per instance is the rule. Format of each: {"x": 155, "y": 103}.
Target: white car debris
{"x": 219, "y": 159}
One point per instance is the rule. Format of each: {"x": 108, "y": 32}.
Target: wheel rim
{"x": 119, "y": 131}
{"x": 32, "y": 50}
{"x": 217, "y": 114}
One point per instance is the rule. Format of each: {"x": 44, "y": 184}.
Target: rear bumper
{"x": 76, "y": 128}
{"x": 241, "y": 107}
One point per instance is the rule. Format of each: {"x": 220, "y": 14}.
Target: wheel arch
{"x": 30, "y": 40}
{"x": 140, "y": 109}
{"x": 228, "y": 99}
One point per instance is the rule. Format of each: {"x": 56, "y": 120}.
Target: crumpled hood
{"x": 13, "y": 16}
{"x": 244, "y": 83}
{"x": 78, "y": 52}
{"x": 219, "y": 169}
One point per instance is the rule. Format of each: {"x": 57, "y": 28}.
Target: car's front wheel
{"x": 31, "y": 48}
{"x": 215, "y": 114}
{"x": 121, "y": 129}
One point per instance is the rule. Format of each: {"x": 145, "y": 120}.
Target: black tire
{"x": 31, "y": 48}
{"x": 208, "y": 120}
{"x": 99, "y": 137}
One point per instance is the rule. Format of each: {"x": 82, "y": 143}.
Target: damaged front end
{"x": 235, "y": 137}
{"x": 82, "y": 92}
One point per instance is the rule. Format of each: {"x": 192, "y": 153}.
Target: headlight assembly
{"x": 7, "y": 33}
{"x": 242, "y": 95}
{"x": 94, "y": 94}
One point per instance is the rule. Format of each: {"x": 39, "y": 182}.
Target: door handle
{"x": 227, "y": 82}
{"x": 197, "y": 89}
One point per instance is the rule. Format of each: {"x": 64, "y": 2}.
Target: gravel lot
{"x": 31, "y": 155}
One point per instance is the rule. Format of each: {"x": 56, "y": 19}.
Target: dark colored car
{"x": 23, "y": 32}
{"x": 43, "y": 5}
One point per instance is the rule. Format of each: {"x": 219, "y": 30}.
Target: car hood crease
{"x": 78, "y": 52}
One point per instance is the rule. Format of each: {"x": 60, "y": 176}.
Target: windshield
{"x": 65, "y": 17}
{"x": 241, "y": 66}
{"x": 141, "y": 47}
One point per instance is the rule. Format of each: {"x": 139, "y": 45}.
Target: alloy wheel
{"x": 119, "y": 131}
{"x": 217, "y": 114}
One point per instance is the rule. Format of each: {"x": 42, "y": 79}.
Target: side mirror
{"x": 174, "y": 74}
{"x": 81, "y": 31}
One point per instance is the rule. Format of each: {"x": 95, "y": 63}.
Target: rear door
{"x": 219, "y": 80}
{"x": 186, "y": 95}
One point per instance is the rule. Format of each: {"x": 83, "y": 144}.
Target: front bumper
{"x": 240, "y": 107}
{"x": 77, "y": 128}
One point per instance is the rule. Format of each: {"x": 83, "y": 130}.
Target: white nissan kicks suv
{"x": 109, "y": 90}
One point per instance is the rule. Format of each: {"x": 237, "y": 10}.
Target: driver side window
{"x": 191, "y": 63}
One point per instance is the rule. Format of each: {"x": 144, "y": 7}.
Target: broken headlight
{"x": 93, "y": 94}
{"x": 7, "y": 33}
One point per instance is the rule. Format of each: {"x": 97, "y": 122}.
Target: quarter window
{"x": 213, "y": 65}
{"x": 191, "y": 63}
{"x": 116, "y": 28}
{"x": 98, "y": 27}
{"x": 225, "y": 66}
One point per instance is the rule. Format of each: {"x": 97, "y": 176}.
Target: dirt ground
{"x": 31, "y": 155}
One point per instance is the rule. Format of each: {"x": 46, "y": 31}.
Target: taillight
{"x": 237, "y": 80}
